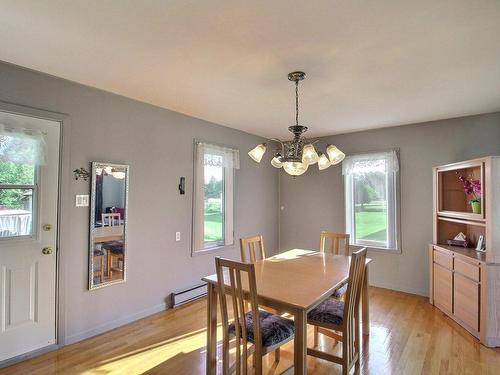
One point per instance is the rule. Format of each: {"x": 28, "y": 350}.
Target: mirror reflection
{"x": 108, "y": 224}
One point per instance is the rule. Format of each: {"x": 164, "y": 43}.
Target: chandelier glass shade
{"x": 295, "y": 156}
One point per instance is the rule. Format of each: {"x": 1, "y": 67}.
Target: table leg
{"x": 365, "y": 312}
{"x": 300, "y": 343}
{"x": 211, "y": 330}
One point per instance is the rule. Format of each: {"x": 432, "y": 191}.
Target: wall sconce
{"x": 182, "y": 186}
{"x": 81, "y": 173}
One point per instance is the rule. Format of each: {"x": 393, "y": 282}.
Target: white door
{"x": 28, "y": 232}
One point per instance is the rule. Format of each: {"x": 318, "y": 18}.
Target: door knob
{"x": 47, "y": 250}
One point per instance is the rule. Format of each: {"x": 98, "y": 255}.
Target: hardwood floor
{"x": 408, "y": 336}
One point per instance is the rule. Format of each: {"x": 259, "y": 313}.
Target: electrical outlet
{"x": 177, "y": 236}
{"x": 82, "y": 201}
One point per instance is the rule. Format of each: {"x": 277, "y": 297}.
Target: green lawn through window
{"x": 213, "y": 226}
{"x": 371, "y": 221}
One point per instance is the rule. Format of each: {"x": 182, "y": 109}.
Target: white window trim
{"x": 198, "y": 244}
{"x": 393, "y": 213}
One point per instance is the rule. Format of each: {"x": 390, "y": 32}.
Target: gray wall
{"x": 158, "y": 146}
{"x": 315, "y": 201}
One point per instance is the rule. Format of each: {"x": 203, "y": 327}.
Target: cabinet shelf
{"x": 462, "y": 221}
{"x": 469, "y": 216}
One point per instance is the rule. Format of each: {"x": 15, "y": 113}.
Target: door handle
{"x": 47, "y": 251}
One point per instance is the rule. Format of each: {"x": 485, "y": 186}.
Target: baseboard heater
{"x": 186, "y": 295}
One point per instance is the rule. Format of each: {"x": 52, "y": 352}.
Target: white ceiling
{"x": 370, "y": 63}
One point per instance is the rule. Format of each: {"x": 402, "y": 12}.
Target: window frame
{"x": 393, "y": 191}
{"x": 198, "y": 209}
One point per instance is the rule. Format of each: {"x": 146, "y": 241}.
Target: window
{"x": 371, "y": 184}
{"x": 21, "y": 151}
{"x": 213, "y": 196}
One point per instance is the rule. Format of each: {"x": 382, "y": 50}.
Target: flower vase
{"x": 476, "y": 207}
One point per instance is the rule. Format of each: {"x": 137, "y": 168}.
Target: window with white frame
{"x": 22, "y": 151}
{"x": 371, "y": 199}
{"x": 213, "y": 196}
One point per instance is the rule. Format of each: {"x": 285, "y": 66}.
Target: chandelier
{"x": 297, "y": 155}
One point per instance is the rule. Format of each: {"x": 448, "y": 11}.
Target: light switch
{"x": 177, "y": 236}
{"x": 82, "y": 201}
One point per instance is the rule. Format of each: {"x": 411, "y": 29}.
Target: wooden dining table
{"x": 295, "y": 282}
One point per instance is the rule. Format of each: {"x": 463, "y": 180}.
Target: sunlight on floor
{"x": 142, "y": 360}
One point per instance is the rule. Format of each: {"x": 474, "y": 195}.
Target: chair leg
{"x": 316, "y": 336}
{"x": 277, "y": 355}
{"x": 258, "y": 364}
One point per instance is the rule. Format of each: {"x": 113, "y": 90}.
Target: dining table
{"x": 295, "y": 282}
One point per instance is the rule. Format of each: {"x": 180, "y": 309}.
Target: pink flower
{"x": 471, "y": 187}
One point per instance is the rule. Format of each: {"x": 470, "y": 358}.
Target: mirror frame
{"x": 95, "y": 165}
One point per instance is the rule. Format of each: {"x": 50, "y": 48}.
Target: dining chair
{"x": 335, "y": 239}
{"x": 265, "y": 334}
{"x": 110, "y": 219}
{"x": 253, "y": 243}
{"x": 334, "y": 316}
{"x": 334, "y": 248}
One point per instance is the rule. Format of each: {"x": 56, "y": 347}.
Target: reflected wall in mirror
{"x": 108, "y": 224}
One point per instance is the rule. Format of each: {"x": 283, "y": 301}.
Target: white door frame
{"x": 63, "y": 216}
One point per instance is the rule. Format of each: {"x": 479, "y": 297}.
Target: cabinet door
{"x": 443, "y": 288}
{"x": 466, "y": 293}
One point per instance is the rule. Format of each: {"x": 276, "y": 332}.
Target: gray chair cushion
{"x": 340, "y": 291}
{"x": 330, "y": 311}
{"x": 274, "y": 328}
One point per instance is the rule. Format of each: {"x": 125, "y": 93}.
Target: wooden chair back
{"x": 351, "y": 306}
{"x": 255, "y": 247}
{"x": 109, "y": 219}
{"x": 335, "y": 239}
{"x": 229, "y": 276}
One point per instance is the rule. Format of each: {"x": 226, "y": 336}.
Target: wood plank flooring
{"x": 408, "y": 336}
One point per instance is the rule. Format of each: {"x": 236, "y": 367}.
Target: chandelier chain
{"x": 296, "y": 102}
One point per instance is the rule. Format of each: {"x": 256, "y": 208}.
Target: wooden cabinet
{"x": 466, "y": 301}
{"x": 456, "y": 285}
{"x": 443, "y": 287}
{"x": 464, "y": 282}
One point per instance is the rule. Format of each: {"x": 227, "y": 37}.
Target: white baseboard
{"x": 114, "y": 324}
{"x": 400, "y": 288}
{"x": 492, "y": 342}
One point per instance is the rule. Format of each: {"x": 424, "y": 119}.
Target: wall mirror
{"x": 108, "y": 224}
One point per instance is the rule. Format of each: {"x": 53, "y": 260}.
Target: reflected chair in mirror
{"x": 256, "y": 337}
{"x": 99, "y": 259}
{"x": 255, "y": 246}
{"x": 110, "y": 219}
{"x": 335, "y": 240}
{"x": 333, "y": 317}
{"x": 114, "y": 252}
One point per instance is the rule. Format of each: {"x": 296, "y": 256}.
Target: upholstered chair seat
{"x": 330, "y": 311}
{"x": 340, "y": 292}
{"x": 274, "y": 328}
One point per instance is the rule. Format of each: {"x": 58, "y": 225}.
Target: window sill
{"x": 376, "y": 249}
{"x": 213, "y": 249}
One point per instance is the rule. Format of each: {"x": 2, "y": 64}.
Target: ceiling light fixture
{"x": 297, "y": 155}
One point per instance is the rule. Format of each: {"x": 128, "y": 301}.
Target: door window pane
{"x": 370, "y": 204}
{"x": 16, "y": 212}
{"x": 16, "y": 174}
{"x": 213, "y": 204}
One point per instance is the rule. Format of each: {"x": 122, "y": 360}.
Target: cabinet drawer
{"x": 467, "y": 269}
{"x": 466, "y": 296}
{"x": 443, "y": 259}
{"x": 443, "y": 287}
